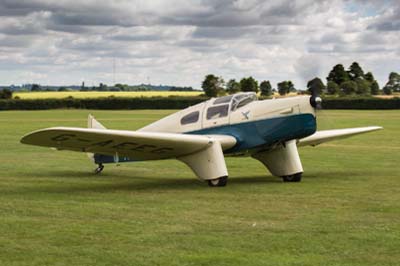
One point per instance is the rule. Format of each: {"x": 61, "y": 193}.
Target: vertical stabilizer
{"x": 93, "y": 123}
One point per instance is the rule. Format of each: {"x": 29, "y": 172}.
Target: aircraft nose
{"x": 316, "y": 102}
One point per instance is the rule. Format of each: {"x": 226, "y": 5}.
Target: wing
{"x": 133, "y": 144}
{"x": 328, "y": 135}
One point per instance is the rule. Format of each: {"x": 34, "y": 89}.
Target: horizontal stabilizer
{"x": 334, "y": 134}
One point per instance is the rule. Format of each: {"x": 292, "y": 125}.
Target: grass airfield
{"x": 55, "y": 211}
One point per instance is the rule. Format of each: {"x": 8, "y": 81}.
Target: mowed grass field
{"x": 98, "y": 94}
{"x": 55, "y": 211}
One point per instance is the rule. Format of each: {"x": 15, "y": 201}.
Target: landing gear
{"x": 292, "y": 178}
{"x": 218, "y": 182}
{"x": 99, "y": 169}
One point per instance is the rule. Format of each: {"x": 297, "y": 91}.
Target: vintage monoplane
{"x": 201, "y": 135}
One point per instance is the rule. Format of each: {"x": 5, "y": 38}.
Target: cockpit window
{"x": 190, "y": 118}
{"x": 241, "y": 100}
{"x": 218, "y": 111}
{"x": 224, "y": 99}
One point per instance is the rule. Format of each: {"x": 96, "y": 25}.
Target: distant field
{"x": 97, "y": 94}
{"x": 55, "y": 211}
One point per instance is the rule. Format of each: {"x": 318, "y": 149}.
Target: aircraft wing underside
{"x": 136, "y": 145}
{"x": 334, "y": 134}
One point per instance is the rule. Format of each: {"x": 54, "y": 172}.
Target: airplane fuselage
{"x": 255, "y": 124}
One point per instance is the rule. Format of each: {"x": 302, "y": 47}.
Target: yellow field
{"x": 97, "y": 94}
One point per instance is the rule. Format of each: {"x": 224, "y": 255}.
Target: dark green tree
{"x": 374, "y": 88}
{"x": 249, "y": 84}
{"x": 363, "y": 86}
{"x": 369, "y": 77}
{"x": 348, "y": 87}
{"x": 36, "y": 87}
{"x": 285, "y": 87}
{"x": 394, "y": 81}
{"x": 338, "y": 75}
{"x": 393, "y": 85}
{"x": 332, "y": 88}
{"x": 291, "y": 86}
{"x": 316, "y": 86}
{"x": 355, "y": 71}
{"x": 232, "y": 86}
{"x": 6, "y": 94}
{"x": 266, "y": 88}
{"x": 212, "y": 85}
{"x": 387, "y": 90}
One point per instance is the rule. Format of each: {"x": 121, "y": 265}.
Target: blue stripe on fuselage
{"x": 264, "y": 132}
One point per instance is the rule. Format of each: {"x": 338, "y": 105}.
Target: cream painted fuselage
{"x": 256, "y": 124}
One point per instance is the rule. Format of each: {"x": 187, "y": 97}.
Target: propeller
{"x": 315, "y": 99}
{"x": 316, "y": 102}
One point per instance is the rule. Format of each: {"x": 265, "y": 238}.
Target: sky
{"x": 178, "y": 42}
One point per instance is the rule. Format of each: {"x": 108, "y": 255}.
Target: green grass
{"x": 54, "y": 211}
{"x": 98, "y": 94}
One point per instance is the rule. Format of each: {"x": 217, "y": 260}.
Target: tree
{"x": 387, "y": 90}
{"x": 363, "y": 86}
{"x": 62, "y": 89}
{"x": 6, "y": 94}
{"x": 249, "y": 84}
{"x": 348, "y": 87}
{"x": 291, "y": 86}
{"x": 316, "y": 86}
{"x": 121, "y": 87}
{"x": 36, "y": 87}
{"x": 374, "y": 88}
{"x": 393, "y": 85}
{"x": 369, "y": 77}
{"x": 103, "y": 87}
{"x": 332, "y": 88}
{"x": 212, "y": 85}
{"x": 232, "y": 86}
{"x": 394, "y": 79}
{"x": 355, "y": 71}
{"x": 338, "y": 75}
{"x": 285, "y": 87}
{"x": 266, "y": 88}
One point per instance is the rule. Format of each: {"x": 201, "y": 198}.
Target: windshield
{"x": 243, "y": 99}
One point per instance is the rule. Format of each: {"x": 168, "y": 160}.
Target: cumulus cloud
{"x": 179, "y": 41}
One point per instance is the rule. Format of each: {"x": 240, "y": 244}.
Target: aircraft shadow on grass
{"x": 151, "y": 184}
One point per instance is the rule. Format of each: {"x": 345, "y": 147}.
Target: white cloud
{"x": 178, "y": 42}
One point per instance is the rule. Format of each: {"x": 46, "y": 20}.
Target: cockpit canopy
{"x": 220, "y": 107}
{"x": 237, "y": 100}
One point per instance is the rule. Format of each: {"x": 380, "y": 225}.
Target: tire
{"x": 292, "y": 178}
{"x": 218, "y": 182}
{"x": 99, "y": 169}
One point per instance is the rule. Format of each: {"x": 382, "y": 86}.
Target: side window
{"x": 190, "y": 118}
{"x": 218, "y": 111}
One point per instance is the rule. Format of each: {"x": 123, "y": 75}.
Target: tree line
{"x": 342, "y": 82}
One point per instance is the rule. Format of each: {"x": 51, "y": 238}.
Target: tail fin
{"x": 93, "y": 123}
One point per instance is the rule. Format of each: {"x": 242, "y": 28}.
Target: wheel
{"x": 99, "y": 169}
{"x": 292, "y": 178}
{"x": 218, "y": 182}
